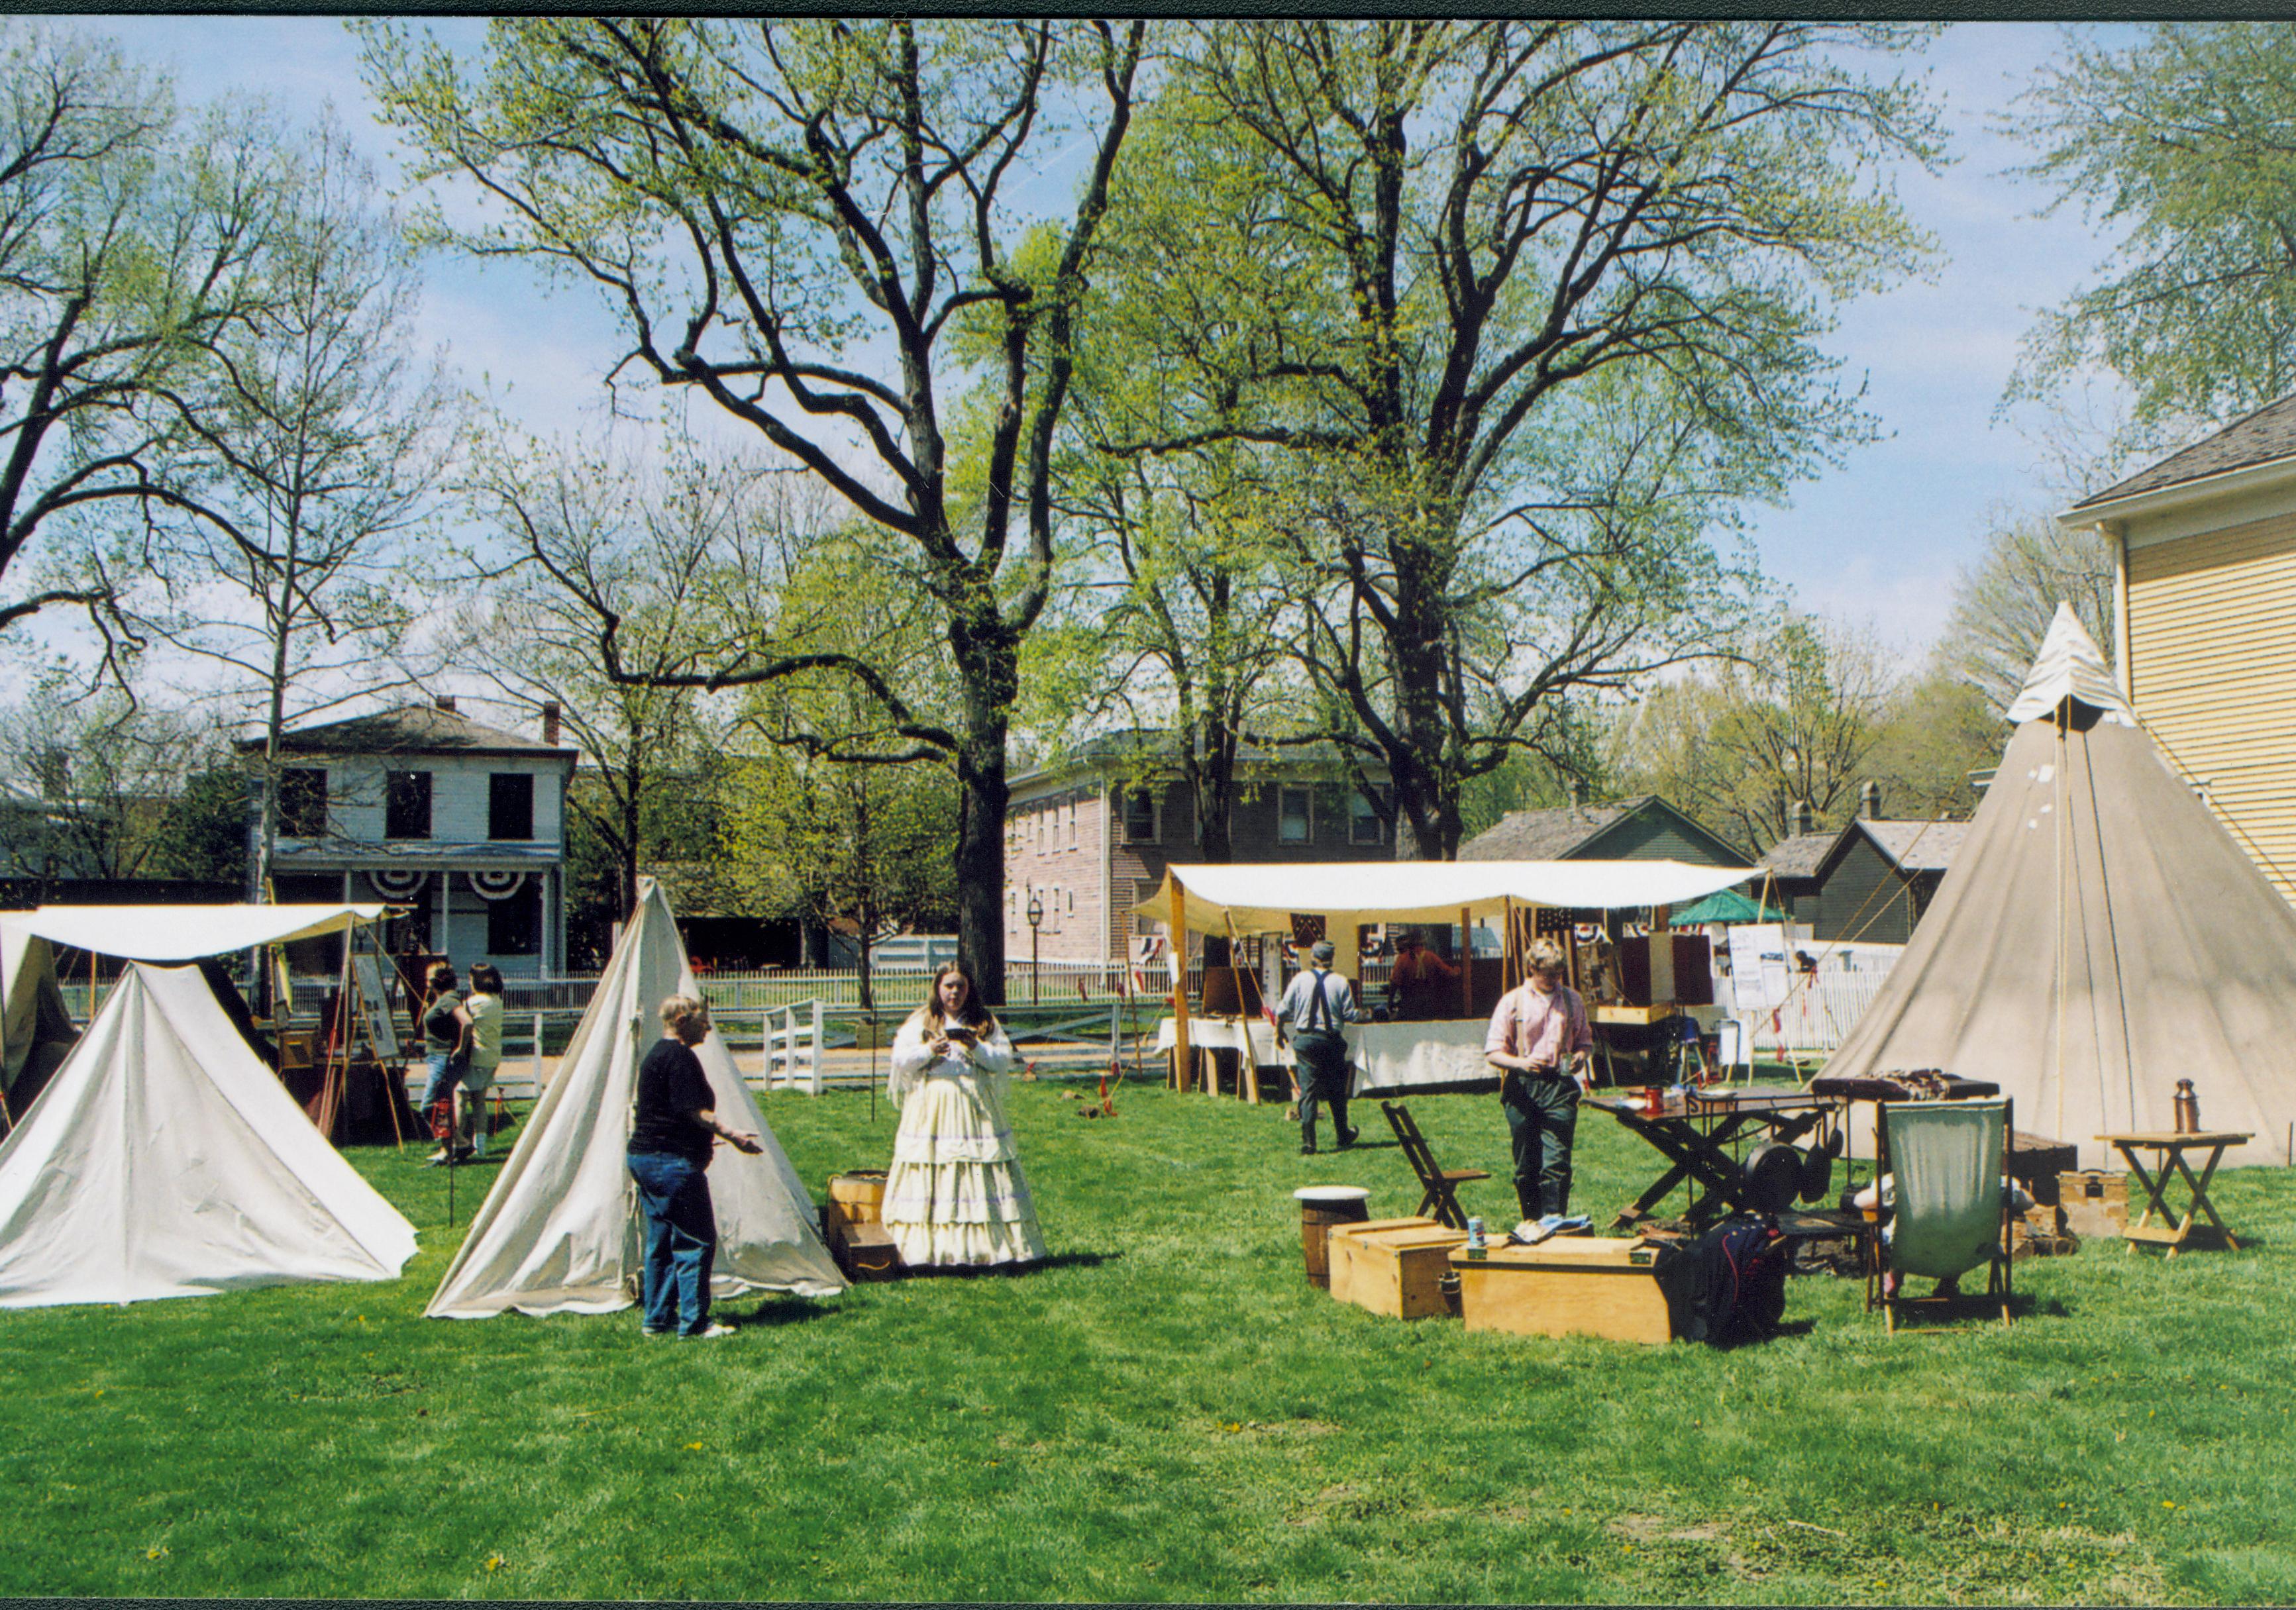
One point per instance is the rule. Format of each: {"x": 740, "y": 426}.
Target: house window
{"x": 1294, "y": 816}
{"x": 1142, "y": 924}
{"x": 1139, "y": 816}
{"x": 1363, "y": 825}
{"x": 303, "y": 802}
{"x": 509, "y": 805}
{"x": 514, "y": 922}
{"x": 406, "y": 804}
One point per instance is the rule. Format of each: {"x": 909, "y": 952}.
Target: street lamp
{"x": 1035, "y": 920}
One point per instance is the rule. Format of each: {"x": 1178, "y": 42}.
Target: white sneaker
{"x": 712, "y": 1332}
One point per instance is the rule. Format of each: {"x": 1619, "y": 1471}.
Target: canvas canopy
{"x": 165, "y": 1161}
{"x": 185, "y": 933}
{"x": 559, "y": 1232}
{"x": 2099, "y": 936}
{"x": 1262, "y": 897}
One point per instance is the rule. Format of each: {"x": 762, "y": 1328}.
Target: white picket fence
{"x": 1815, "y": 1019}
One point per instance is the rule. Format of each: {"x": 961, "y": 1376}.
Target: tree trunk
{"x": 980, "y": 838}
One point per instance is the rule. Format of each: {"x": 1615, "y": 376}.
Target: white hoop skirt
{"x": 955, "y": 1193}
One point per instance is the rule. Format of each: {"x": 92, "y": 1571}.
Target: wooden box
{"x": 862, "y": 1247}
{"x": 2095, "y": 1202}
{"x": 1339, "y": 1254}
{"x": 1396, "y": 1272}
{"x": 1614, "y": 1288}
{"x": 2036, "y": 1162}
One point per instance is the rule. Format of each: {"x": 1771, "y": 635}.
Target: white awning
{"x": 1262, "y": 897}
{"x": 184, "y": 933}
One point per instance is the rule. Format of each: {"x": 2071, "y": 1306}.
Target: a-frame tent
{"x": 166, "y": 1161}
{"x": 559, "y": 1233}
{"x": 2099, "y": 936}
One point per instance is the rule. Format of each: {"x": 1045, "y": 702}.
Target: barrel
{"x": 1321, "y": 1206}
{"x": 859, "y": 1195}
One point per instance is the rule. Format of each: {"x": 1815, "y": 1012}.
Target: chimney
{"x": 1578, "y": 792}
{"x": 550, "y": 721}
{"x": 1798, "y": 817}
{"x": 445, "y": 701}
{"x": 1869, "y": 801}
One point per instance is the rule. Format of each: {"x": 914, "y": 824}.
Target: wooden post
{"x": 1181, "y": 1067}
{"x": 1466, "y": 965}
{"x": 813, "y": 1084}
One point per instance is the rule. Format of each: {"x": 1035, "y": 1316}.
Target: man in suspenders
{"x": 1316, "y": 1007}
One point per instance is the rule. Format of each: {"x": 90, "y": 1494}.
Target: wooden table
{"x": 2175, "y": 1233}
{"x": 1693, "y": 1137}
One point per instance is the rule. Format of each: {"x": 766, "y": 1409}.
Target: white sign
{"x": 1760, "y": 973}
{"x": 376, "y": 1004}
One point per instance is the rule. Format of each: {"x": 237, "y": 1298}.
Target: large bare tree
{"x": 826, "y": 229}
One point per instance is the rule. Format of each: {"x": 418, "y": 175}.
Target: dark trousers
{"x": 681, "y": 1240}
{"x": 1542, "y": 1113}
{"x": 1321, "y": 1063}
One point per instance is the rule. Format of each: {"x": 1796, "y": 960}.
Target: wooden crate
{"x": 1339, "y": 1247}
{"x": 1571, "y": 1286}
{"x": 1397, "y": 1272}
{"x": 862, "y": 1248}
{"x": 2095, "y": 1202}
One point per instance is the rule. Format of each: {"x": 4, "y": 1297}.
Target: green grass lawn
{"x": 1168, "y": 1411}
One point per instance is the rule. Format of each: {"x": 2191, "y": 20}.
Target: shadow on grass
{"x": 1013, "y": 1271}
{"x": 777, "y": 1312}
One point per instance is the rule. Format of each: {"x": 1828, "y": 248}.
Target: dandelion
{"x": 693, "y": 1448}
{"x": 160, "y": 1553}
{"x": 494, "y": 1562}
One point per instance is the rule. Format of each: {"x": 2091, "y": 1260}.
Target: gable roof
{"x": 1910, "y": 846}
{"x": 1561, "y": 833}
{"x": 1800, "y": 856}
{"x": 408, "y": 730}
{"x": 2262, "y": 438}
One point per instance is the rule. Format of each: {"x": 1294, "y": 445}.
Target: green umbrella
{"x": 1728, "y": 906}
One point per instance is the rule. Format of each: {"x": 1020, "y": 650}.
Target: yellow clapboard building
{"x": 2205, "y": 620}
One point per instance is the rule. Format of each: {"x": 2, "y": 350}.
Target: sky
{"x": 1876, "y": 542}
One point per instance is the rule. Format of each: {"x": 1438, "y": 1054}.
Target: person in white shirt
{"x": 484, "y": 1007}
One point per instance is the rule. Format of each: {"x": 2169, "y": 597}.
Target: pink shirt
{"x": 1541, "y": 1027}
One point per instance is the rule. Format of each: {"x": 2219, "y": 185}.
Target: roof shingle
{"x": 409, "y": 728}
{"x": 2262, "y": 437}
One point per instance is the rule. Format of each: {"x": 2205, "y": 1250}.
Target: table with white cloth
{"x": 1384, "y": 1055}
{"x": 1252, "y": 1037}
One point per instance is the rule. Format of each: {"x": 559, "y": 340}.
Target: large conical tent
{"x": 2099, "y": 936}
{"x": 165, "y": 1161}
{"x": 559, "y": 1231}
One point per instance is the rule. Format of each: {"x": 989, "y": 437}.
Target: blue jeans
{"x": 681, "y": 1240}
{"x": 447, "y": 1071}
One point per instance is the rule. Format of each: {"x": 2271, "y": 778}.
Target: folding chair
{"x": 1436, "y": 1183}
{"x": 1947, "y": 1164}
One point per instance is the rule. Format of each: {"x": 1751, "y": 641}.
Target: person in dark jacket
{"x": 671, "y": 1137}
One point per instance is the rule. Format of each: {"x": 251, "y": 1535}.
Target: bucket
{"x": 1321, "y": 1206}
{"x": 859, "y": 1195}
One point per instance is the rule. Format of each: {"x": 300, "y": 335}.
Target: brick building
{"x": 1089, "y": 839}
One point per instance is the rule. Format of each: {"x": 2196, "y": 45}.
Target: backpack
{"x": 1734, "y": 1281}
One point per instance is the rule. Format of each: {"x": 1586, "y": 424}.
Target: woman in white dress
{"x": 955, "y": 1194}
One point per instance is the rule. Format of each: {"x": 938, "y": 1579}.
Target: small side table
{"x": 2174, "y": 1232}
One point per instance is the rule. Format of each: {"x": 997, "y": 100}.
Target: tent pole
{"x": 1179, "y": 908}
{"x": 1466, "y": 966}
{"x": 2058, "y": 790}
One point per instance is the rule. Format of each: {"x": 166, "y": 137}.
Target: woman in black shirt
{"x": 671, "y": 1135}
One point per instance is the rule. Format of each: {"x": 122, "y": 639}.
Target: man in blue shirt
{"x": 1316, "y": 1007}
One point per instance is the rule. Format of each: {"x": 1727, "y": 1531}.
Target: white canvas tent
{"x": 36, "y": 1026}
{"x": 560, "y": 1233}
{"x": 2099, "y": 936}
{"x": 166, "y": 1161}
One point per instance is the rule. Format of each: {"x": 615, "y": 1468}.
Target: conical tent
{"x": 165, "y": 1161}
{"x": 558, "y": 1232}
{"x": 2099, "y": 936}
